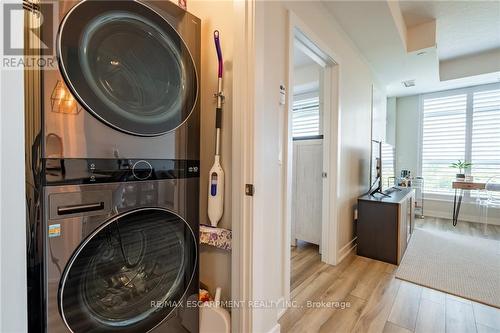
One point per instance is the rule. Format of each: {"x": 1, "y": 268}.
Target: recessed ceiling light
{"x": 409, "y": 83}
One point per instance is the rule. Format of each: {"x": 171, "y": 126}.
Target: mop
{"x": 216, "y": 175}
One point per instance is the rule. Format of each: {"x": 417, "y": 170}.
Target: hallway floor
{"x": 378, "y": 301}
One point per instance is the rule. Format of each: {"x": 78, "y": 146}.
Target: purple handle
{"x": 219, "y": 52}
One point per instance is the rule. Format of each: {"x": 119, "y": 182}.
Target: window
{"x": 305, "y": 118}
{"x": 443, "y": 140}
{"x": 387, "y": 165}
{"x": 485, "y": 156}
{"x": 460, "y": 125}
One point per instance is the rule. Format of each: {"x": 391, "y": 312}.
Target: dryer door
{"x": 129, "y": 274}
{"x": 127, "y": 66}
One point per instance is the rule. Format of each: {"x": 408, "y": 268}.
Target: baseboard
{"x": 346, "y": 249}
{"x": 275, "y": 329}
{"x": 462, "y": 217}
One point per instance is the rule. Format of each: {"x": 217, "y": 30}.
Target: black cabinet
{"x": 385, "y": 225}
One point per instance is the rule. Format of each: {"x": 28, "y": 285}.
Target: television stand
{"x": 379, "y": 191}
{"x": 385, "y": 225}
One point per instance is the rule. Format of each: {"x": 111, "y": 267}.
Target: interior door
{"x": 127, "y": 66}
{"x": 130, "y": 274}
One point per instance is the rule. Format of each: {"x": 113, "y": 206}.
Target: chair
{"x": 489, "y": 198}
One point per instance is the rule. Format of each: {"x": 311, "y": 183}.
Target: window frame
{"x": 469, "y": 91}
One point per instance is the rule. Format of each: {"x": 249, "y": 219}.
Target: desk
{"x": 459, "y": 186}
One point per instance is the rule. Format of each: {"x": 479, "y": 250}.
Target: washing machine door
{"x": 127, "y": 66}
{"x": 129, "y": 274}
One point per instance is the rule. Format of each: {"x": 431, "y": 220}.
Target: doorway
{"x": 307, "y": 165}
{"x": 311, "y": 150}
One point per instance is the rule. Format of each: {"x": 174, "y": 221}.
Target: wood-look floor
{"x": 378, "y": 301}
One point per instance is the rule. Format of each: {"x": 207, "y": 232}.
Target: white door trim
{"x": 242, "y": 162}
{"x": 331, "y": 142}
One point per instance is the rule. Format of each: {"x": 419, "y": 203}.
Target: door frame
{"x": 242, "y": 163}
{"x": 329, "y": 91}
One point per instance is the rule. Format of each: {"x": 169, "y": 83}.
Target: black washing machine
{"x": 126, "y": 84}
{"x": 120, "y": 254}
{"x": 112, "y": 168}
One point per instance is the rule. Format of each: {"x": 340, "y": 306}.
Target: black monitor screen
{"x": 376, "y": 164}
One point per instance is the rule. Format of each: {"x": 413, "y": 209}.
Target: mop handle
{"x": 218, "y": 114}
{"x": 219, "y": 53}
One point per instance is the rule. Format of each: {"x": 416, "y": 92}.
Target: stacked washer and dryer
{"x": 113, "y": 171}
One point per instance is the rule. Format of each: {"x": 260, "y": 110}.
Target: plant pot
{"x": 460, "y": 176}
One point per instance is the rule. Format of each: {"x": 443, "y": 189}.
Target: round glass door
{"x": 129, "y": 274}
{"x": 127, "y": 66}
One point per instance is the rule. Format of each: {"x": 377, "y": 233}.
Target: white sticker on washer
{"x": 54, "y": 230}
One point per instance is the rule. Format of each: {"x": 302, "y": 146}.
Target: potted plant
{"x": 461, "y": 166}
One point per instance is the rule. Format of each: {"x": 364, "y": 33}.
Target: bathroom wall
{"x": 215, "y": 264}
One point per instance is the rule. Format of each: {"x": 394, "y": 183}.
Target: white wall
{"x": 390, "y": 136}
{"x": 13, "y": 315}
{"x": 306, "y": 81}
{"x": 355, "y": 107}
{"x": 407, "y": 134}
{"x": 379, "y": 121}
{"x": 407, "y": 157}
{"x": 470, "y": 65}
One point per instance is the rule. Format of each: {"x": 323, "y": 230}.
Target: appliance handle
{"x": 74, "y": 209}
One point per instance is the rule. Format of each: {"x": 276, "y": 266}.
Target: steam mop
{"x": 216, "y": 175}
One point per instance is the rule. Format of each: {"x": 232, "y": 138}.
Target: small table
{"x": 459, "y": 186}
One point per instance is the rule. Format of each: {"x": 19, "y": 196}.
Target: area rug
{"x": 460, "y": 265}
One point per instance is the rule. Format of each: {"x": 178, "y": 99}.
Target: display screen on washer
{"x": 92, "y": 171}
{"x": 127, "y": 66}
{"x": 129, "y": 274}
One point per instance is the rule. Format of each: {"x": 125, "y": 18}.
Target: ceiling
{"x": 306, "y": 73}
{"x": 300, "y": 59}
{"x": 439, "y": 44}
{"x": 463, "y": 27}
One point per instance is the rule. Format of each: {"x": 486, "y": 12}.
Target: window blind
{"x": 305, "y": 118}
{"x": 485, "y": 150}
{"x": 443, "y": 140}
{"x": 461, "y": 126}
{"x": 387, "y": 165}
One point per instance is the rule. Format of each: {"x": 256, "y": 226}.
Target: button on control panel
{"x": 142, "y": 170}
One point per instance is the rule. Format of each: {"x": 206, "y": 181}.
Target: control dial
{"x": 142, "y": 170}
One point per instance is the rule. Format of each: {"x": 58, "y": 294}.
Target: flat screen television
{"x": 376, "y": 167}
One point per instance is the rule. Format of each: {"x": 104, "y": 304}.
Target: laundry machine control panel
{"x": 142, "y": 170}
{"x": 90, "y": 171}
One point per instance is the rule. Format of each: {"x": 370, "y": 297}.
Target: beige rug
{"x": 463, "y": 266}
